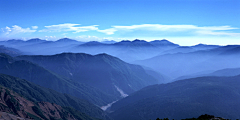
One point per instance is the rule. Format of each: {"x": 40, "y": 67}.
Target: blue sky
{"x": 185, "y": 22}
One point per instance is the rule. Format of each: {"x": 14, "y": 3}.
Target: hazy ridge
{"x": 173, "y": 81}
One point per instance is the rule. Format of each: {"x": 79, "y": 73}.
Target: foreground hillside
{"x": 18, "y": 105}
{"x": 188, "y": 98}
{"x": 35, "y": 94}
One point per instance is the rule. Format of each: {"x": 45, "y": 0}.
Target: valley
{"x": 118, "y": 80}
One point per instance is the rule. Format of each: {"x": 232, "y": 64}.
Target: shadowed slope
{"x": 38, "y": 75}
{"x": 182, "y": 99}
{"x": 102, "y": 71}
{"x": 37, "y": 93}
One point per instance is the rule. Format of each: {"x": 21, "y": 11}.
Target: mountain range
{"x": 125, "y": 50}
{"x": 109, "y": 80}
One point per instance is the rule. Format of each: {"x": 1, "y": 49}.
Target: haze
{"x": 119, "y": 59}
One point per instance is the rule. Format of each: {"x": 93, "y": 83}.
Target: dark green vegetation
{"x": 101, "y": 71}
{"x": 188, "y": 98}
{"x": 39, "y": 75}
{"x": 37, "y": 93}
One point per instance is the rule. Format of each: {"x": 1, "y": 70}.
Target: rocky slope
{"x": 35, "y": 93}
{"x": 14, "y": 103}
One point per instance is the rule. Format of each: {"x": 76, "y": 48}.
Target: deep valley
{"x": 126, "y": 80}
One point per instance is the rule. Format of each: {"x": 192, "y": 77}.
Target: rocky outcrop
{"x": 8, "y": 116}
{"x": 14, "y": 106}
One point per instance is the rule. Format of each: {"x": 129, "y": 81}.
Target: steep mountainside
{"x": 14, "y": 103}
{"x": 39, "y": 75}
{"x": 37, "y": 93}
{"x": 182, "y": 99}
{"x": 102, "y": 71}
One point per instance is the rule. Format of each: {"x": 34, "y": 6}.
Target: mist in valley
{"x": 115, "y": 74}
{"x": 119, "y": 59}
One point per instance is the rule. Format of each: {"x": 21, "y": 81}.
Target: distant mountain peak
{"x": 15, "y": 40}
{"x": 93, "y": 43}
{"x": 66, "y": 40}
{"x": 108, "y": 41}
{"x": 163, "y": 42}
{"x": 134, "y": 43}
{"x": 102, "y": 54}
{"x": 125, "y": 41}
{"x": 137, "y": 40}
{"x": 35, "y": 40}
{"x": 200, "y": 44}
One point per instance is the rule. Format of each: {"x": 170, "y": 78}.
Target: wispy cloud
{"x": 168, "y": 29}
{"x": 128, "y": 32}
{"x": 219, "y": 33}
{"x": 88, "y": 38}
{"x": 34, "y": 27}
{"x": 16, "y": 30}
{"x": 109, "y": 31}
{"x": 66, "y": 27}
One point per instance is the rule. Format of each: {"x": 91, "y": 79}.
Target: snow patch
{"x": 121, "y": 91}
{"x": 104, "y": 108}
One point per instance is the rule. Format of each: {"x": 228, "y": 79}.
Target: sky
{"x": 185, "y": 22}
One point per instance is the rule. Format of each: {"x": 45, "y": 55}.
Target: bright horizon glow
{"x": 183, "y": 22}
